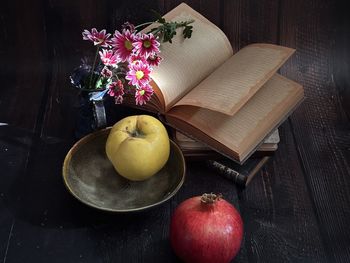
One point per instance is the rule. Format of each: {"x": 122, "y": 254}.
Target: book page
{"x": 186, "y": 62}
{"x": 229, "y": 87}
{"x": 238, "y": 135}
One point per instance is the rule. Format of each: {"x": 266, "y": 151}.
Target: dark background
{"x": 295, "y": 210}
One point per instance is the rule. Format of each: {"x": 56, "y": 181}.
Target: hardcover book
{"x": 187, "y": 144}
{"x": 230, "y": 102}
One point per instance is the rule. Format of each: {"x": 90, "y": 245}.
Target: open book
{"x": 230, "y": 102}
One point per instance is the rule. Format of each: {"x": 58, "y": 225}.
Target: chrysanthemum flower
{"x": 138, "y": 74}
{"x": 99, "y": 38}
{"x": 108, "y": 57}
{"x": 154, "y": 60}
{"x": 122, "y": 43}
{"x": 146, "y": 45}
{"x": 116, "y": 90}
{"x": 143, "y": 94}
{"x": 133, "y": 59}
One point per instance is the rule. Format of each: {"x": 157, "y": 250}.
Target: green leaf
{"x": 99, "y": 83}
{"x": 159, "y": 17}
{"x": 187, "y": 33}
{"x": 167, "y": 30}
{"x": 102, "y": 82}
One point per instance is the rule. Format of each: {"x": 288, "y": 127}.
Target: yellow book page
{"x": 242, "y": 132}
{"x": 186, "y": 62}
{"x": 229, "y": 87}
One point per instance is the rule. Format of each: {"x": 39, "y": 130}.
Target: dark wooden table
{"x": 297, "y": 209}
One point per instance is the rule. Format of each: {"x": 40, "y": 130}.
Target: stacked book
{"x": 229, "y": 102}
{"x": 239, "y": 174}
{"x": 197, "y": 150}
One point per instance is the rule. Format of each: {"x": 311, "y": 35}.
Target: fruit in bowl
{"x": 138, "y": 147}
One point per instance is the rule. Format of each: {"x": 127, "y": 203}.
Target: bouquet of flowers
{"x": 123, "y": 61}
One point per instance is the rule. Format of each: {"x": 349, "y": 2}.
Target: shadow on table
{"x": 33, "y": 190}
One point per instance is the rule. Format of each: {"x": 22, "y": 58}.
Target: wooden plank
{"x": 276, "y": 207}
{"x": 341, "y": 52}
{"x": 246, "y": 22}
{"x": 161, "y": 7}
{"x": 24, "y": 187}
{"x": 168, "y": 5}
{"x": 320, "y": 125}
{"x": 23, "y": 62}
{"x": 14, "y": 149}
{"x": 212, "y": 11}
{"x": 232, "y": 19}
{"x": 136, "y": 12}
{"x": 23, "y": 78}
{"x": 278, "y": 213}
{"x": 65, "y": 22}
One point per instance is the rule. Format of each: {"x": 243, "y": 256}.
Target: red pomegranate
{"x": 206, "y": 229}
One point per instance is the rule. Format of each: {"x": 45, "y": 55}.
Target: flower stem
{"x": 158, "y": 32}
{"x": 93, "y": 66}
{"x": 143, "y": 24}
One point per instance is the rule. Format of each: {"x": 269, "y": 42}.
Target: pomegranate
{"x": 206, "y": 229}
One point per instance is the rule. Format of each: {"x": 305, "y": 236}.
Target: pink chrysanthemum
{"x": 154, "y": 60}
{"x": 143, "y": 94}
{"x": 133, "y": 59}
{"x": 108, "y": 57}
{"x": 138, "y": 74}
{"x": 116, "y": 90}
{"x": 99, "y": 38}
{"x": 146, "y": 45}
{"x": 122, "y": 43}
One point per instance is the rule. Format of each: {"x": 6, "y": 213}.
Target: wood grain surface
{"x": 295, "y": 210}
